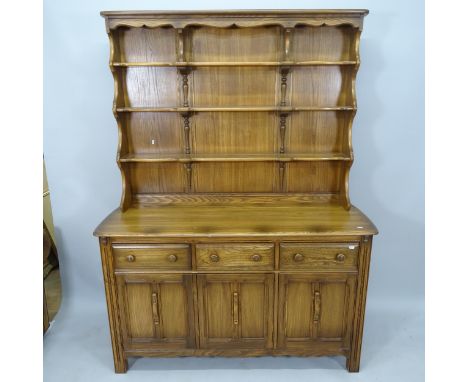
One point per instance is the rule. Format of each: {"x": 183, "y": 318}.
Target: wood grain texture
{"x": 236, "y": 220}
{"x": 122, "y": 144}
{"x": 318, "y": 177}
{"x": 318, "y": 132}
{"x": 150, "y": 86}
{"x": 314, "y": 308}
{"x": 186, "y": 65}
{"x": 318, "y": 350}
{"x": 219, "y": 86}
{"x": 235, "y": 235}
{"x": 256, "y": 256}
{"x": 236, "y": 311}
{"x": 321, "y": 86}
{"x": 234, "y": 44}
{"x": 143, "y": 44}
{"x": 285, "y": 200}
{"x": 238, "y": 177}
{"x": 234, "y": 133}
{"x": 336, "y": 256}
{"x": 149, "y": 178}
{"x": 187, "y": 158}
{"x": 161, "y": 256}
{"x": 265, "y": 89}
{"x": 156, "y": 310}
{"x": 245, "y": 18}
{"x": 153, "y": 133}
{"x": 354, "y": 359}
{"x": 115, "y": 324}
{"x": 325, "y": 44}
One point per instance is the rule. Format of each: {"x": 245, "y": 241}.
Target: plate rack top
{"x": 223, "y": 103}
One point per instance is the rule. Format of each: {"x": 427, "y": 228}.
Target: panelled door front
{"x": 315, "y": 311}
{"x": 157, "y": 310}
{"x": 236, "y": 310}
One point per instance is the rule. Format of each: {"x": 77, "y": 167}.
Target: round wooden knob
{"x": 130, "y": 258}
{"x": 256, "y": 257}
{"x": 298, "y": 257}
{"x": 340, "y": 257}
{"x": 214, "y": 257}
{"x": 172, "y": 258}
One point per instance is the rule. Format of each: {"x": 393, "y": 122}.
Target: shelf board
{"x": 186, "y": 158}
{"x": 232, "y": 63}
{"x": 284, "y": 109}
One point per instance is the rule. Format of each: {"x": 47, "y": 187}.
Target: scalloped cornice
{"x": 286, "y": 19}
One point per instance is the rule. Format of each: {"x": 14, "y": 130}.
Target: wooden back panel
{"x": 235, "y": 102}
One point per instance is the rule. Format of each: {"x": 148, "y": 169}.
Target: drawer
{"x": 318, "y": 256}
{"x": 162, "y": 256}
{"x": 252, "y": 256}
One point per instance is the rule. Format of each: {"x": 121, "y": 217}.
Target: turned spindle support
{"x": 281, "y": 176}
{"x": 184, "y": 71}
{"x": 186, "y": 117}
{"x": 180, "y": 45}
{"x": 284, "y": 84}
{"x": 185, "y": 88}
{"x": 286, "y": 58}
{"x": 282, "y": 131}
{"x": 188, "y": 172}
{"x": 287, "y": 43}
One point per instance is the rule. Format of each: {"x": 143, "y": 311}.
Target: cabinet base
{"x": 121, "y": 367}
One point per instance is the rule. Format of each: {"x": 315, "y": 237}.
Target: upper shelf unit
{"x": 235, "y": 102}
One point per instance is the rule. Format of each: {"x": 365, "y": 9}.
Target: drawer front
{"x": 253, "y": 256}
{"x": 318, "y": 256}
{"x": 163, "y": 256}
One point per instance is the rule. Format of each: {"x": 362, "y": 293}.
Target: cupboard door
{"x": 236, "y": 310}
{"x": 315, "y": 311}
{"x": 157, "y": 310}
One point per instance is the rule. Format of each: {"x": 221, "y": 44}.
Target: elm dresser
{"x": 235, "y": 235}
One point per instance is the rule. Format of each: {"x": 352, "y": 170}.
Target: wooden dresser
{"x": 235, "y": 235}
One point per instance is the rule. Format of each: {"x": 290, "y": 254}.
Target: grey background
{"x": 386, "y": 183}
